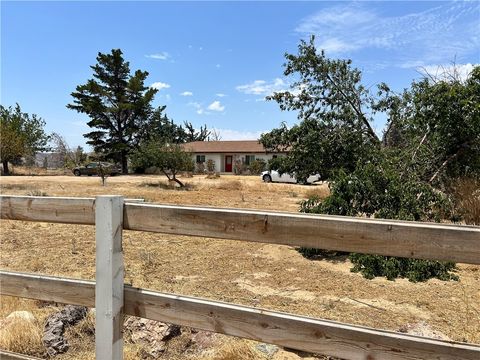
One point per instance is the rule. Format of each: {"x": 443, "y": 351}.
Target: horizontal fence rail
{"x": 7, "y": 355}
{"x": 292, "y": 331}
{"x": 372, "y": 236}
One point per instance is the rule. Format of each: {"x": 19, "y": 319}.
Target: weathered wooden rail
{"x": 112, "y": 298}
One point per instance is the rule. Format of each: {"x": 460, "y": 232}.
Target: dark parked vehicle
{"x": 93, "y": 169}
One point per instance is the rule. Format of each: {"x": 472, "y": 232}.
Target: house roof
{"x": 233, "y": 146}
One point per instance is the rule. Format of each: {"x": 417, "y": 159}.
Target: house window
{"x": 249, "y": 159}
{"x": 200, "y": 158}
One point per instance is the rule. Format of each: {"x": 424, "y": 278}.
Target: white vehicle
{"x": 274, "y": 176}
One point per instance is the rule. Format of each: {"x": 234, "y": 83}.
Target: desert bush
{"x": 257, "y": 166}
{"x": 376, "y": 190}
{"x": 210, "y": 166}
{"x": 200, "y": 168}
{"x": 239, "y": 168}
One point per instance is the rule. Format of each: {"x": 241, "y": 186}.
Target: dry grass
{"x": 19, "y": 335}
{"x": 318, "y": 191}
{"x": 229, "y": 185}
{"x": 234, "y": 350}
{"x": 37, "y": 171}
{"x": 254, "y": 274}
{"x": 467, "y": 195}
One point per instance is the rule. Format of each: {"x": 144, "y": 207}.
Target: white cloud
{"x": 229, "y": 134}
{"x": 220, "y": 95}
{"x": 435, "y": 35}
{"x": 160, "y": 56}
{"x": 160, "y": 85}
{"x": 261, "y": 87}
{"x": 334, "y": 45}
{"x": 186, "y": 93}
{"x": 198, "y": 107}
{"x": 216, "y": 106}
{"x": 447, "y": 72}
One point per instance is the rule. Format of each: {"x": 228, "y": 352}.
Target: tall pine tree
{"x": 118, "y": 104}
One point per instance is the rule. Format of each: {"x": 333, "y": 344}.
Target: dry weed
{"x": 467, "y": 196}
{"x": 22, "y": 336}
{"x": 317, "y": 191}
{"x": 229, "y": 185}
{"x": 233, "y": 350}
{"x": 4, "y": 187}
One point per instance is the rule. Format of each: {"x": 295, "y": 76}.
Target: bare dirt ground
{"x": 266, "y": 276}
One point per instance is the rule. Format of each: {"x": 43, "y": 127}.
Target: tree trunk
{"x": 124, "y": 162}
{"x": 178, "y": 181}
{"x": 6, "y": 171}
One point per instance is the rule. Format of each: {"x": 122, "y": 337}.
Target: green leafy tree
{"x": 21, "y": 135}
{"x": 169, "y": 158}
{"x": 118, "y": 104}
{"x": 334, "y": 130}
{"x": 379, "y": 190}
{"x": 432, "y": 134}
{"x": 438, "y": 134}
{"x": 191, "y": 134}
{"x": 162, "y": 129}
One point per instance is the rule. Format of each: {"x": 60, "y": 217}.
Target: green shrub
{"x": 257, "y": 166}
{"x": 375, "y": 190}
{"x": 414, "y": 270}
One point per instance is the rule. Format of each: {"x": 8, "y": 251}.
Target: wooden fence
{"x": 113, "y": 299}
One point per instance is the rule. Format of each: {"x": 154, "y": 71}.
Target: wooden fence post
{"x": 109, "y": 278}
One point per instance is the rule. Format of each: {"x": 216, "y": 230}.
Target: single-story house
{"x": 225, "y": 154}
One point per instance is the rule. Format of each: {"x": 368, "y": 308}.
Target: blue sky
{"x": 214, "y": 62}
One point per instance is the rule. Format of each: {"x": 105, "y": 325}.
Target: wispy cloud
{"x": 262, "y": 87}
{"x": 220, "y": 95}
{"x": 159, "y": 56}
{"x": 160, "y": 85}
{"x": 436, "y": 35}
{"x": 447, "y": 72}
{"x": 229, "y": 134}
{"x": 198, "y": 107}
{"x": 186, "y": 93}
{"x": 216, "y": 106}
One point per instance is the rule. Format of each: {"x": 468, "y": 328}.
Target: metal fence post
{"x": 109, "y": 278}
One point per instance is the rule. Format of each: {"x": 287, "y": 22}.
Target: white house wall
{"x": 219, "y": 158}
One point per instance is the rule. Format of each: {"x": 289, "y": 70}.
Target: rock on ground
{"x": 53, "y": 339}
{"x": 152, "y": 334}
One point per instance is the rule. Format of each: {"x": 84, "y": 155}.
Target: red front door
{"x": 228, "y": 163}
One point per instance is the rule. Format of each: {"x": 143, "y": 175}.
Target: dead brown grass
{"x": 21, "y": 336}
{"x": 467, "y": 195}
{"x": 254, "y": 274}
{"x": 318, "y": 191}
{"x": 234, "y": 350}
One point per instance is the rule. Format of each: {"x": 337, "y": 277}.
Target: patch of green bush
{"x": 376, "y": 190}
{"x": 257, "y": 166}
